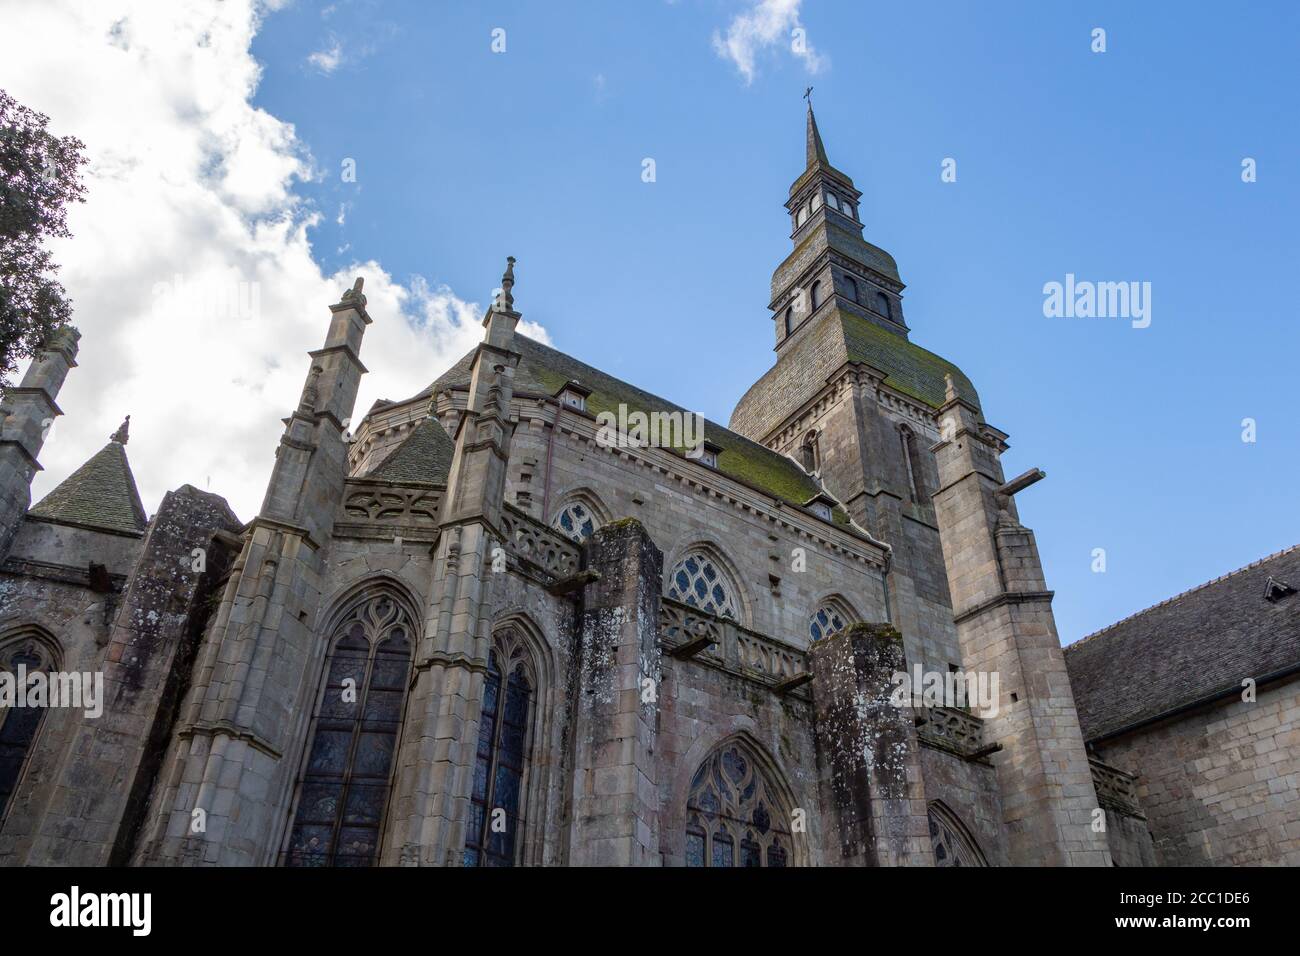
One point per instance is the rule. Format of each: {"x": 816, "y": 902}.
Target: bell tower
{"x": 832, "y": 267}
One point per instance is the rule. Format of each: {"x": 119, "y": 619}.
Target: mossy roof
{"x": 838, "y": 337}
{"x": 99, "y": 494}
{"x": 545, "y": 370}
{"x": 424, "y": 455}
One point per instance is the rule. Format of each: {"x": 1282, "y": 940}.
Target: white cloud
{"x": 328, "y": 59}
{"x": 188, "y": 179}
{"x": 766, "y": 24}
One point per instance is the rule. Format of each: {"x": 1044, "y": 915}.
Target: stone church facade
{"x": 478, "y": 631}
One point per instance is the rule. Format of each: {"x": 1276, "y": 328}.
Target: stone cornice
{"x": 1002, "y": 600}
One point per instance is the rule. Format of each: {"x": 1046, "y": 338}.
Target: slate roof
{"x": 1188, "y": 648}
{"x": 99, "y": 494}
{"x": 544, "y": 370}
{"x": 424, "y": 455}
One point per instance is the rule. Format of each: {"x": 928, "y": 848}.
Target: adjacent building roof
{"x": 424, "y": 455}
{"x": 1190, "y": 648}
{"x": 99, "y": 494}
{"x": 805, "y": 364}
{"x": 545, "y": 370}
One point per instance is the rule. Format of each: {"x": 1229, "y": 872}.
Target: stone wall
{"x": 1220, "y": 786}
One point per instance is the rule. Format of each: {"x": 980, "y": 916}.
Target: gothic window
{"x": 733, "y": 817}
{"x": 492, "y": 837}
{"x": 882, "y": 305}
{"x": 816, "y": 294}
{"x": 952, "y": 845}
{"x": 345, "y": 782}
{"x": 18, "y": 725}
{"x": 825, "y": 622}
{"x": 576, "y": 521}
{"x": 808, "y": 452}
{"x": 699, "y": 582}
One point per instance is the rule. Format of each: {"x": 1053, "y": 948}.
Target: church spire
{"x": 816, "y": 150}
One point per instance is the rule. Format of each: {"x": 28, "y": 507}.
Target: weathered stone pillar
{"x": 26, "y": 415}
{"x": 113, "y": 759}
{"x": 615, "y": 802}
{"x": 867, "y": 750}
{"x": 1005, "y": 625}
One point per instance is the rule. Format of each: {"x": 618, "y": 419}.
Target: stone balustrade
{"x": 1116, "y": 789}
{"x": 387, "y": 509}
{"x": 527, "y": 539}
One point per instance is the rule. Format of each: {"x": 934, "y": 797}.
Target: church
{"x": 475, "y": 631}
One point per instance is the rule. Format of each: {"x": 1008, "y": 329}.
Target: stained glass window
{"x": 18, "y": 725}
{"x": 496, "y": 807}
{"x": 699, "y": 582}
{"x": 952, "y": 845}
{"x": 344, "y": 788}
{"x": 733, "y": 818}
{"x": 825, "y": 622}
{"x": 576, "y": 521}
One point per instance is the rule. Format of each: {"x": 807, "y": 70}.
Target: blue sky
{"x": 1123, "y": 165}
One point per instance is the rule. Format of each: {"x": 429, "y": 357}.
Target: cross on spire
{"x": 807, "y": 94}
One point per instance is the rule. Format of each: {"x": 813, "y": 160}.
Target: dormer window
{"x": 707, "y": 454}
{"x": 822, "y": 505}
{"x": 573, "y": 395}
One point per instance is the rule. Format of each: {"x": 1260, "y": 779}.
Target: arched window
{"x": 832, "y": 201}
{"x": 733, "y": 816}
{"x": 808, "y": 452}
{"x": 882, "y": 305}
{"x": 343, "y": 791}
{"x": 789, "y": 319}
{"x": 18, "y": 725}
{"x": 816, "y": 201}
{"x": 827, "y": 621}
{"x": 912, "y": 463}
{"x": 952, "y": 843}
{"x": 816, "y": 294}
{"x": 699, "y": 582}
{"x": 576, "y": 521}
{"x": 801, "y": 216}
{"x": 851, "y": 286}
{"x": 496, "y": 820}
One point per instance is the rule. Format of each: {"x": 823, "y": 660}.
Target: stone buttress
{"x": 226, "y": 786}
